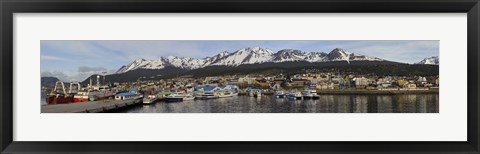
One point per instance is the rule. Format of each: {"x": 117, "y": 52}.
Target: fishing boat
{"x": 93, "y": 93}
{"x": 103, "y": 92}
{"x": 279, "y": 94}
{"x": 207, "y": 95}
{"x": 295, "y": 95}
{"x": 58, "y": 95}
{"x": 83, "y": 96}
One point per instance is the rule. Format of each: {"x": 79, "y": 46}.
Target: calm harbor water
{"x": 414, "y": 103}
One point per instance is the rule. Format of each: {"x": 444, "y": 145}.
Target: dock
{"x": 89, "y": 107}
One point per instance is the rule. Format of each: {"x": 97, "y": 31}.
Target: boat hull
{"x": 149, "y": 101}
{"x": 80, "y": 99}
{"x": 58, "y": 100}
{"x": 173, "y": 99}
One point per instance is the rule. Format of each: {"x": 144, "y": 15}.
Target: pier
{"x": 89, "y": 107}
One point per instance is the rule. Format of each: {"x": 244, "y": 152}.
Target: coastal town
{"x": 186, "y": 88}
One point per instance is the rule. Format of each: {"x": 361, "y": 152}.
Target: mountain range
{"x": 255, "y": 55}
{"x": 434, "y": 60}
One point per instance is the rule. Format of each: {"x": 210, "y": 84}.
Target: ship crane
{"x": 56, "y": 88}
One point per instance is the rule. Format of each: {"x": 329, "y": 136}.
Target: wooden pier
{"x": 89, "y": 107}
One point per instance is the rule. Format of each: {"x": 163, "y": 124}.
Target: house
{"x": 361, "y": 82}
{"x": 299, "y": 82}
{"x": 126, "y": 96}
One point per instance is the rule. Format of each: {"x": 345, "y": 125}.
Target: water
{"x": 43, "y": 100}
{"x": 416, "y": 103}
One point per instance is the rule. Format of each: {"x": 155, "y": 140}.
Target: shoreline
{"x": 369, "y": 92}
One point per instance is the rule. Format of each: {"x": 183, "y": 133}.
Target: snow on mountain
{"x": 289, "y": 55}
{"x": 434, "y": 60}
{"x": 245, "y": 56}
{"x": 254, "y": 55}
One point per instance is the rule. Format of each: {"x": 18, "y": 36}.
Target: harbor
{"x": 210, "y": 94}
{"x": 90, "y": 107}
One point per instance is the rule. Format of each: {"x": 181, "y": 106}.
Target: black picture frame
{"x": 9, "y": 7}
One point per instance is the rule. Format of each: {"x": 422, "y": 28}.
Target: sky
{"x": 75, "y": 60}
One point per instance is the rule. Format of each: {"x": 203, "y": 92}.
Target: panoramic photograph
{"x": 239, "y": 76}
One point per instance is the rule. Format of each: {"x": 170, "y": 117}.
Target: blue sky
{"x": 72, "y": 60}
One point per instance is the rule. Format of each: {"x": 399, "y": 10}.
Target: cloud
{"x": 60, "y": 75}
{"x": 87, "y": 69}
{"x": 45, "y": 57}
{"x": 400, "y": 51}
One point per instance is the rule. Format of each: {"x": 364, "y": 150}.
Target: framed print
{"x": 231, "y": 76}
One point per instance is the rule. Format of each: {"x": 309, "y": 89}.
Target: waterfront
{"x": 403, "y": 103}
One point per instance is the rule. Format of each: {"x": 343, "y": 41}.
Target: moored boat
{"x": 58, "y": 95}
{"x": 188, "y": 97}
{"x": 255, "y": 93}
{"x": 310, "y": 94}
{"x": 295, "y": 95}
{"x": 306, "y": 94}
{"x": 206, "y": 95}
{"x": 150, "y": 99}
{"x": 225, "y": 94}
{"x": 280, "y": 94}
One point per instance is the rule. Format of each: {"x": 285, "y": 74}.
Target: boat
{"x": 58, "y": 95}
{"x": 150, "y": 99}
{"x": 93, "y": 93}
{"x": 306, "y": 94}
{"x": 102, "y": 93}
{"x": 295, "y": 95}
{"x": 58, "y": 98}
{"x": 175, "y": 97}
{"x": 314, "y": 94}
{"x": 255, "y": 93}
{"x": 225, "y": 94}
{"x": 280, "y": 94}
{"x": 310, "y": 94}
{"x": 83, "y": 96}
{"x": 207, "y": 95}
{"x": 188, "y": 97}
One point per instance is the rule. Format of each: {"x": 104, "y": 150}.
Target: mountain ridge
{"x": 434, "y": 60}
{"x": 251, "y": 55}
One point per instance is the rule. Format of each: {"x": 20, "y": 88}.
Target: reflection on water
{"x": 422, "y": 103}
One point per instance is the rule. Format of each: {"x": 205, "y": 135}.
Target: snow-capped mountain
{"x": 434, "y": 60}
{"x": 254, "y": 55}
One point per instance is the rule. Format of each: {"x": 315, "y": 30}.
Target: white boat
{"x": 207, "y": 95}
{"x": 188, "y": 97}
{"x": 280, "y": 94}
{"x": 310, "y": 94}
{"x": 306, "y": 94}
{"x": 226, "y": 94}
{"x": 255, "y": 93}
{"x": 150, "y": 99}
{"x": 175, "y": 97}
{"x": 295, "y": 95}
